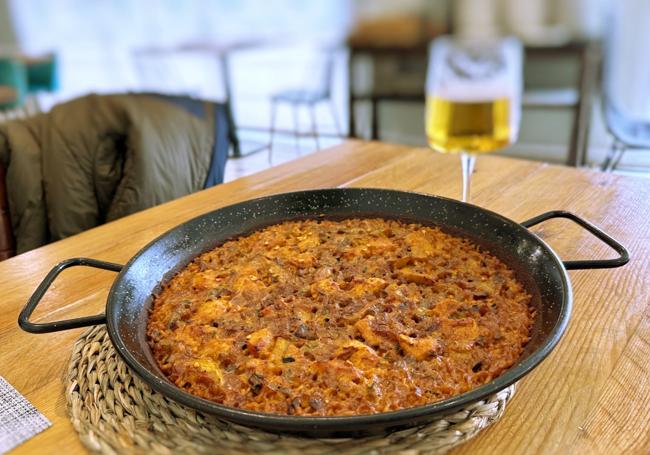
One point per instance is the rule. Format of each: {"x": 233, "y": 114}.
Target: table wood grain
{"x": 592, "y": 394}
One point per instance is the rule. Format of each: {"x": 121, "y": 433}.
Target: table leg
{"x": 589, "y": 62}
{"x": 233, "y": 136}
{"x": 374, "y": 129}
{"x": 351, "y": 103}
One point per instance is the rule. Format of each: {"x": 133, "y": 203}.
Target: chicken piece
{"x": 210, "y": 367}
{"x": 371, "y": 285}
{"x": 421, "y": 247}
{"x": 412, "y": 276}
{"x": 380, "y": 245}
{"x": 396, "y": 291}
{"x": 217, "y": 346}
{"x": 284, "y": 352}
{"x": 260, "y": 343}
{"x": 445, "y": 308}
{"x": 420, "y": 348}
{"x": 364, "y": 326}
{"x": 461, "y": 333}
{"x": 247, "y": 281}
{"x": 302, "y": 260}
{"x": 326, "y": 286}
{"x": 279, "y": 348}
{"x": 359, "y": 354}
{"x": 211, "y": 311}
{"x": 291, "y": 354}
{"x": 400, "y": 263}
{"x": 358, "y": 311}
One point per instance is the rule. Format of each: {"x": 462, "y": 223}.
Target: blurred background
{"x": 318, "y": 71}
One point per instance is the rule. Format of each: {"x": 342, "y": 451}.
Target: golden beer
{"x": 474, "y": 127}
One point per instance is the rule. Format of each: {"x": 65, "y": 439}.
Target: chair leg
{"x": 314, "y": 129}
{"x": 335, "y": 117}
{"x": 613, "y": 150}
{"x": 273, "y": 112}
{"x": 296, "y": 126}
{"x": 614, "y": 156}
{"x": 617, "y": 159}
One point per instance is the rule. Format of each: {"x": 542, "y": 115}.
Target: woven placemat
{"x": 115, "y": 412}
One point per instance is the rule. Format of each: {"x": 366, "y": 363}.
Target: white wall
{"x": 7, "y": 34}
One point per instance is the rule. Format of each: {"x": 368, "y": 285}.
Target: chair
{"x": 625, "y": 89}
{"x": 309, "y": 97}
{"x": 628, "y": 134}
{"x": 159, "y": 135}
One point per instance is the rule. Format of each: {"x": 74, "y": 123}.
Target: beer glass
{"x": 473, "y": 97}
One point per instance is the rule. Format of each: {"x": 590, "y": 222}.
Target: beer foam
{"x": 469, "y": 76}
{"x": 472, "y": 93}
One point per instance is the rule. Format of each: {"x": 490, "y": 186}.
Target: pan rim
{"x": 345, "y": 423}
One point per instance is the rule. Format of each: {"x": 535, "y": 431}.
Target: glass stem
{"x": 467, "y": 161}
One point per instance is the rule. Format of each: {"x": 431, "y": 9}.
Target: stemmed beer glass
{"x": 473, "y": 96}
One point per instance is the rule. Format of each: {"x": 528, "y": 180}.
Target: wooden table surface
{"x": 591, "y": 395}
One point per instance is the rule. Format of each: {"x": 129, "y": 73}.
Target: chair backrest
{"x": 318, "y": 76}
{"x": 626, "y": 67}
{"x": 328, "y": 72}
{"x": 626, "y": 73}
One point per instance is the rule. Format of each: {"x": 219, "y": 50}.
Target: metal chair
{"x": 628, "y": 134}
{"x": 630, "y": 131}
{"x": 309, "y": 97}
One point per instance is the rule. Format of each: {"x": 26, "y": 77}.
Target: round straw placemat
{"x": 115, "y": 412}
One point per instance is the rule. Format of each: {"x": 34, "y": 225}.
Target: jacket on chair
{"x": 99, "y": 158}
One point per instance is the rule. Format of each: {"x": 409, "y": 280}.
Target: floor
{"x": 285, "y": 149}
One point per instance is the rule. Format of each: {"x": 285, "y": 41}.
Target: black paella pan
{"x": 535, "y": 263}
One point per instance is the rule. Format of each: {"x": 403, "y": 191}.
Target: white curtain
{"x": 96, "y": 39}
{"x": 43, "y": 24}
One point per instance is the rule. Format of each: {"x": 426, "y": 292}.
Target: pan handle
{"x": 623, "y": 258}
{"x": 46, "y": 327}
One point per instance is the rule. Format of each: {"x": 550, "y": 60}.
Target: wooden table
{"x": 592, "y": 395}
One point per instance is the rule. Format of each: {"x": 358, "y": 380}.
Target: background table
{"x": 413, "y": 59}
{"x": 592, "y": 394}
{"x": 220, "y": 52}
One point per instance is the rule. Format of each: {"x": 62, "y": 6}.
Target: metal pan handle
{"x": 623, "y": 258}
{"x": 46, "y": 327}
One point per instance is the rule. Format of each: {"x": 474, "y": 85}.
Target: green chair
{"x": 13, "y": 82}
{"x": 42, "y": 73}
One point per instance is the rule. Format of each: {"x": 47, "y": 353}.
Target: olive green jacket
{"x": 98, "y": 158}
